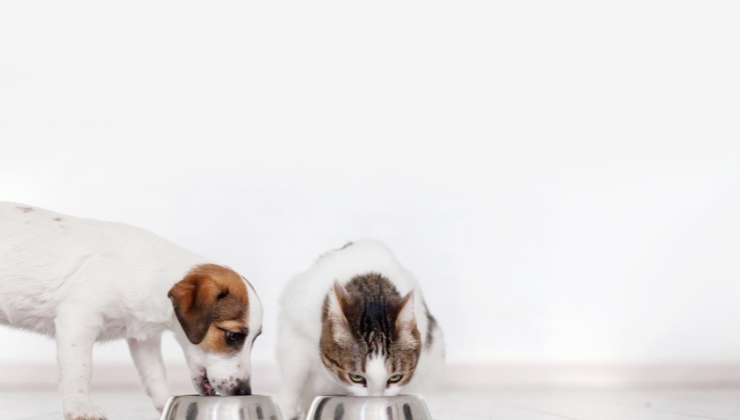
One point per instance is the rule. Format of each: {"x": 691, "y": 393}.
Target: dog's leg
{"x": 75, "y": 336}
{"x": 147, "y": 355}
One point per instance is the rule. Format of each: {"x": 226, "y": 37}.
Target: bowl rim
{"x": 415, "y": 397}
{"x": 171, "y": 400}
{"x": 221, "y": 396}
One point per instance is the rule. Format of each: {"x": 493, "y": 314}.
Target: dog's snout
{"x": 243, "y": 388}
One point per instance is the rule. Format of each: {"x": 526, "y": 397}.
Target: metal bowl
{"x": 402, "y": 407}
{"x": 238, "y": 407}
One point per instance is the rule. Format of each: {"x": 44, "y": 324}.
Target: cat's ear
{"x": 339, "y": 300}
{"x": 406, "y": 320}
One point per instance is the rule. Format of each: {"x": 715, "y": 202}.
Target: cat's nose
{"x": 375, "y": 391}
{"x": 243, "y": 388}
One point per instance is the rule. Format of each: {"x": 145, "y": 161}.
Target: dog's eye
{"x": 234, "y": 338}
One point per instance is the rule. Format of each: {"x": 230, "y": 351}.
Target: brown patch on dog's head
{"x": 212, "y": 305}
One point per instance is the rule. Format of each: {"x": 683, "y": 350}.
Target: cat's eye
{"x": 356, "y": 378}
{"x": 395, "y": 378}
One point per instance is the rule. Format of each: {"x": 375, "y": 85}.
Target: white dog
{"x": 82, "y": 281}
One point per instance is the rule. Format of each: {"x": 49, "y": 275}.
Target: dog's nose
{"x": 243, "y": 388}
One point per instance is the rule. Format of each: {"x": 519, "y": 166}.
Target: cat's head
{"x": 369, "y": 341}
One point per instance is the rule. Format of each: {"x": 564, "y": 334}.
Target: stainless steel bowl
{"x": 402, "y": 407}
{"x": 238, "y": 407}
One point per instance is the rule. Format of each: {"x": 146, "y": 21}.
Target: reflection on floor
{"x": 522, "y": 404}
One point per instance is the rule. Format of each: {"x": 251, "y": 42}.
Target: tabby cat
{"x": 355, "y": 323}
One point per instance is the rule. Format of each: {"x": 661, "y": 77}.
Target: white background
{"x": 564, "y": 179}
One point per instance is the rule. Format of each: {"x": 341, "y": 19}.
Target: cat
{"x": 355, "y": 324}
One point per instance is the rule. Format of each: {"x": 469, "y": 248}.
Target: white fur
{"x": 376, "y": 376}
{"x": 303, "y": 374}
{"x": 82, "y": 281}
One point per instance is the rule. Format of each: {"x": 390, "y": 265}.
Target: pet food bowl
{"x": 402, "y": 407}
{"x": 237, "y": 407}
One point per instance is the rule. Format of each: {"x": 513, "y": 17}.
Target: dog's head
{"x": 219, "y": 316}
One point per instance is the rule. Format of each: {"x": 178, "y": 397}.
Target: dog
{"x": 81, "y": 281}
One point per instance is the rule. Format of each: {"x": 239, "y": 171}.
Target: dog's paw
{"x": 292, "y": 414}
{"x": 159, "y": 400}
{"x": 159, "y": 403}
{"x": 83, "y": 411}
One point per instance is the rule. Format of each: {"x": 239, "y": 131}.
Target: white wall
{"x": 563, "y": 179}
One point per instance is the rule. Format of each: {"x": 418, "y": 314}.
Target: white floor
{"x": 530, "y": 404}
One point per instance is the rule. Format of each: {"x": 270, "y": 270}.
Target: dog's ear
{"x": 194, "y": 299}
